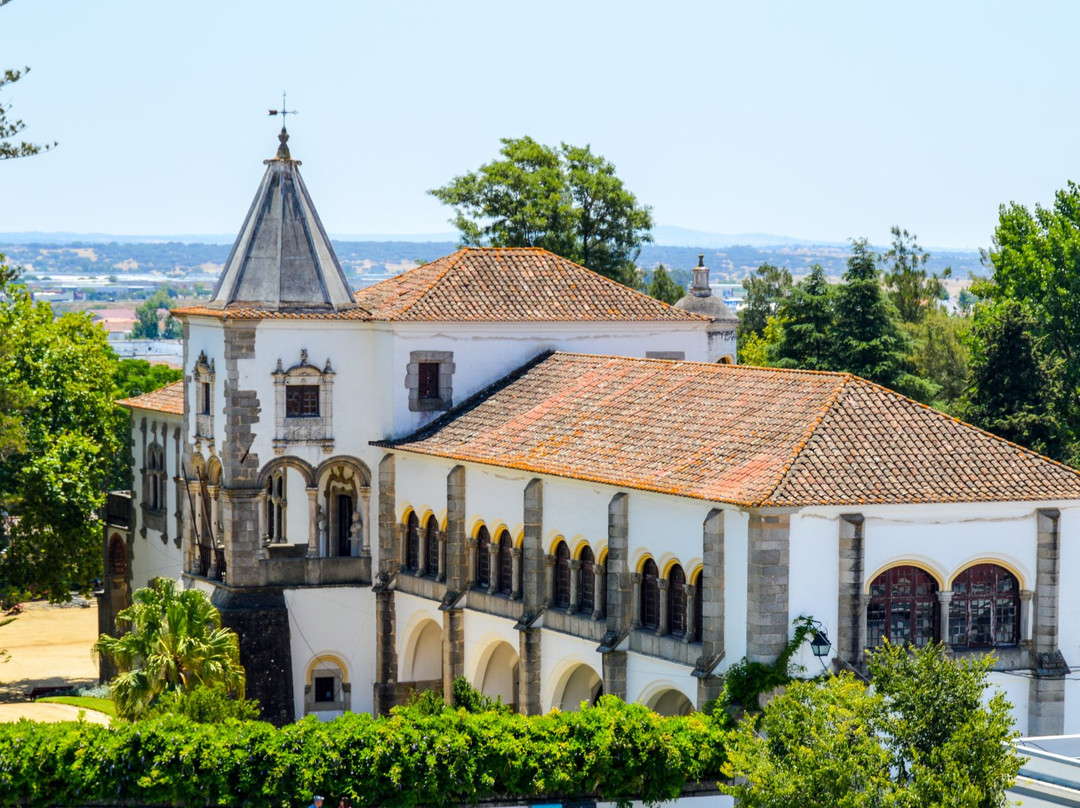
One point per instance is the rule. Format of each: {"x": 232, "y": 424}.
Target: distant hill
{"x": 367, "y": 262}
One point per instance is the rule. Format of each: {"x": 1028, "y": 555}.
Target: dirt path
{"x": 48, "y": 646}
{"x": 44, "y": 711}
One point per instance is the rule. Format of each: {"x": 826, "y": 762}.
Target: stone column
{"x": 1046, "y": 692}
{"x": 1025, "y": 618}
{"x": 599, "y": 577}
{"x": 618, "y": 593}
{"x": 532, "y": 548}
{"x": 421, "y": 567}
{"x": 851, "y": 603}
{"x": 386, "y": 662}
{"x": 767, "y": 586}
{"x": 662, "y": 624}
{"x": 944, "y": 605}
{"x": 456, "y": 555}
{"x": 549, "y": 580}
{"x": 635, "y": 600}
{"x": 529, "y": 672}
{"x": 388, "y": 545}
{"x": 240, "y": 538}
{"x": 515, "y": 557}
{"x": 453, "y": 650}
{"x": 712, "y": 585}
{"x": 493, "y": 567}
{"x": 313, "y": 550}
{"x": 575, "y": 567}
{"x": 691, "y": 613}
{"x": 442, "y": 556}
{"x": 471, "y": 556}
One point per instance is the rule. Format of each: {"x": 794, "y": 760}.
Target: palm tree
{"x": 175, "y": 643}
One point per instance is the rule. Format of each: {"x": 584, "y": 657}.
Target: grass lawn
{"x": 85, "y": 702}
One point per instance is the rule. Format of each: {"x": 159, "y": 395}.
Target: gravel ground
{"x": 48, "y": 646}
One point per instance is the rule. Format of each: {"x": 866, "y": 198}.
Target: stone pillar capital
{"x": 945, "y": 597}
{"x": 1026, "y": 595}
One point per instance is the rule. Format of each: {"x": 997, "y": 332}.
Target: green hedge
{"x": 614, "y": 750}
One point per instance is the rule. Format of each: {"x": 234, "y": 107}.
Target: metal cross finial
{"x": 283, "y": 111}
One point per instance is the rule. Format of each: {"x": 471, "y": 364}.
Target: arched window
{"x": 903, "y": 607}
{"x": 650, "y": 596}
{"x": 155, "y": 478}
{"x": 432, "y": 544}
{"x": 483, "y": 558}
{"x": 698, "y": 611}
{"x": 506, "y": 564}
{"x": 412, "y": 543}
{"x": 985, "y": 608}
{"x": 117, "y": 556}
{"x": 562, "y": 576}
{"x": 677, "y": 601}
{"x": 587, "y": 582}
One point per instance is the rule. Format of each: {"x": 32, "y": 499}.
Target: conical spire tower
{"x": 282, "y": 259}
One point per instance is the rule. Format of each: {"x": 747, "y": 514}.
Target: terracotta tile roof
{"x": 509, "y": 285}
{"x": 169, "y": 398}
{"x": 266, "y": 314}
{"x": 742, "y": 435}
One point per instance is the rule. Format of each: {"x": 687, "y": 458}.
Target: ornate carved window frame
{"x": 304, "y": 430}
{"x": 202, "y": 373}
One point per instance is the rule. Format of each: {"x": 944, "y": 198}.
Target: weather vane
{"x": 283, "y": 111}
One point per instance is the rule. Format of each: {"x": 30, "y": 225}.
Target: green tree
{"x": 911, "y": 289}
{"x": 806, "y": 338}
{"x": 923, "y": 736}
{"x": 766, "y": 289}
{"x": 760, "y": 350}
{"x": 174, "y": 644}
{"x": 567, "y": 200}
{"x": 149, "y": 318}
{"x": 941, "y": 355}
{"x": 1035, "y": 258}
{"x": 1015, "y": 386}
{"x": 9, "y": 127}
{"x": 59, "y": 444}
{"x": 867, "y": 337}
{"x": 663, "y": 288}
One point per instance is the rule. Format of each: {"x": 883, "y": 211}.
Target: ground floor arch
{"x": 579, "y": 684}
{"x": 497, "y": 674}
{"x": 670, "y": 701}
{"x": 422, "y": 660}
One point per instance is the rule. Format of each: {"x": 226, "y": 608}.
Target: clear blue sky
{"x": 817, "y": 120}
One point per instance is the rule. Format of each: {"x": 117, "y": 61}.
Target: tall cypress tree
{"x": 806, "y": 341}
{"x": 867, "y": 338}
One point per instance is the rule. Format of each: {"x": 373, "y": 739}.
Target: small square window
{"x": 204, "y": 398}
{"x": 302, "y": 401}
{"x": 428, "y": 385}
{"x": 324, "y": 688}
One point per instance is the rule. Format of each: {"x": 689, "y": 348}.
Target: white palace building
{"x": 502, "y": 466}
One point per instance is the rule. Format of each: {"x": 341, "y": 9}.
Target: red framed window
{"x": 506, "y": 564}
{"x": 562, "y": 576}
{"x": 432, "y": 538}
{"x": 587, "y": 582}
{"x": 903, "y": 607}
{"x": 412, "y": 543}
{"x": 650, "y": 595}
{"x": 483, "y": 558}
{"x": 985, "y": 608}
{"x": 677, "y": 601}
{"x": 302, "y": 401}
{"x": 428, "y": 381}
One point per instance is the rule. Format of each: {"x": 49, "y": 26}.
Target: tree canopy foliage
{"x": 174, "y": 643}
{"x": 148, "y": 324}
{"x": 565, "y": 199}
{"x": 922, "y": 736}
{"x": 663, "y": 287}
{"x": 766, "y": 289}
{"x": 59, "y": 439}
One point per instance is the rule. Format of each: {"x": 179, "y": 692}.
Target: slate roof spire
{"x": 282, "y": 259}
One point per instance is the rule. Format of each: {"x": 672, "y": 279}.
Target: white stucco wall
{"x": 337, "y": 621}
{"x": 151, "y": 557}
